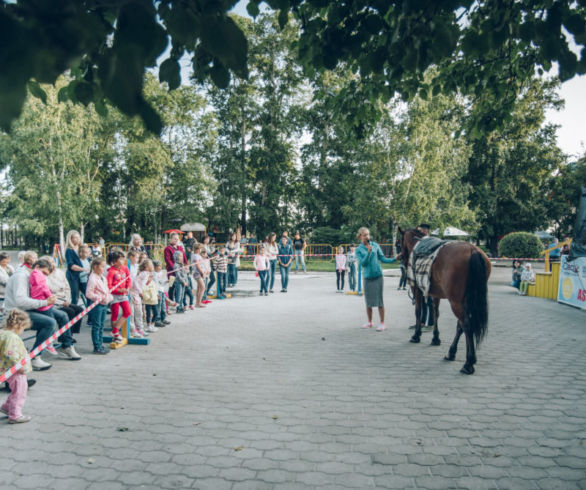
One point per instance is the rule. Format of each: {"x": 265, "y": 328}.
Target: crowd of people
{"x": 141, "y": 292}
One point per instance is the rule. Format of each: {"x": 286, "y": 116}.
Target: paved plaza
{"x": 288, "y": 392}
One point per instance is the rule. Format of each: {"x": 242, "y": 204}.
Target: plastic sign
{"x": 572, "y": 285}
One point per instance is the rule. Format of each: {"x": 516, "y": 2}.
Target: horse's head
{"x": 409, "y": 239}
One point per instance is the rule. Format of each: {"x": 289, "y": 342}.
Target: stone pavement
{"x": 288, "y": 392}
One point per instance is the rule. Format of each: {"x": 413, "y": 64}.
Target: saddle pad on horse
{"x": 419, "y": 267}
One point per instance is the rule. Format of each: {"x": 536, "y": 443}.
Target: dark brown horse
{"x": 459, "y": 274}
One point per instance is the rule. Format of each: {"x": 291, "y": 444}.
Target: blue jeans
{"x": 44, "y": 325}
{"x": 161, "y": 313}
{"x": 284, "y": 276}
{"x": 179, "y": 292}
{"x": 221, "y": 283}
{"x": 98, "y": 318}
{"x": 66, "y": 339}
{"x": 188, "y": 293}
{"x": 264, "y": 281}
{"x": 299, "y": 257}
{"x": 74, "y": 285}
{"x": 273, "y": 273}
{"x": 211, "y": 282}
{"x": 352, "y": 276}
{"x": 232, "y": 274}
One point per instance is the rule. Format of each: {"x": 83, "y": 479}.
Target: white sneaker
{"x": 367, "y": 325}
{"x": 151, "y": 329}
{"x": 69, "y": 353}
{"x": 381, "y": 327}
{"x": 40, "y": 365}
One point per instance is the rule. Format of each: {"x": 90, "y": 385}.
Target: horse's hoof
{"x": 467, "y": 369}
{"x": 415, "y": 340}
{"x": 435, "y": 341}
{"x": 450, "y": 357}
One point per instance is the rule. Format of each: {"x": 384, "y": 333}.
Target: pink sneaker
{"x": 381, "y": 327}
{"x": 367, "y": 325}
{"x": 191, "y": 307}
{"x": 51, "y": 350}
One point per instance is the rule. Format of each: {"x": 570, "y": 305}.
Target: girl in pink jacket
{"x": 262, "y": 265}
{"x": 97, "y": 290}
{"x": 39, "y": 288}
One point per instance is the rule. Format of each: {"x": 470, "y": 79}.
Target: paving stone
{"x": 357, "y": 410}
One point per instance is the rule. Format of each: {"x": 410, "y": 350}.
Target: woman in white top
{"x": 271, "y": 251}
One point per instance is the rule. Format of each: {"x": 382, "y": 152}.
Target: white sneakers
{"x": 151, "y": 329}
{"x": 380, "y": 328}
{"x": 69, "y": 353}
{"x": 39, "y": 365}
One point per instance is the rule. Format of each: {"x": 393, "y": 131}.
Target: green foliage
{"x": 482, "y": 49}
{"x": 333, "y": 236}
{"x": 520, "y": 244}
{"x": 511, "y": 167}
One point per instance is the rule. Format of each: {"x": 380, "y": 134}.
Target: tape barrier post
{"x": 359, "y": 280}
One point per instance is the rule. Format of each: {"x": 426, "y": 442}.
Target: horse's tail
{"x": 476, "y": 302}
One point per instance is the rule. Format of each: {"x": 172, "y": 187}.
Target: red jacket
{"x": 169, "y": 262}
{"x": 116, "y": 275}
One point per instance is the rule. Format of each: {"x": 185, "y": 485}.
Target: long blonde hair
{"x": 68, "y": 243}
{"x": 361, "y": 231}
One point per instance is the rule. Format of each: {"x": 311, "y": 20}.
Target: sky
{"x": 571, "y": 119}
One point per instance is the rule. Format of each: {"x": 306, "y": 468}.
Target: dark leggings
{"x": 340, "y": 279}
{"x": 151, "y": 313}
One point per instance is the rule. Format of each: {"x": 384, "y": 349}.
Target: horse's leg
{"x": 435, "y": 340}
{"x": 468, "y": 367}
{"x": 416, "y": 338}
{"x": 454, "y": 347}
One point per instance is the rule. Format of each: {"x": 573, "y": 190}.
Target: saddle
{"x": 420, "y": 262}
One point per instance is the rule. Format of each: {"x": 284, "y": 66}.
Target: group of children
{"x": 523, "y": 276}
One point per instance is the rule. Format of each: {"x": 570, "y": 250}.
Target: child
{"x": 97, "y": 290}
{"x": 198, "y": 274}
{"x": 262, "y": 265}
{"x": 138, "y": 284}
{"x": 340, "y": 269}
{"x": 221, "y": 263}
{"x": 148, "y": 288}
{"x": 181, "y": 280}
{"x": 12, "y": 351}
{"x": 84, "y": 254}
{"x": 38, "y": 285}
{"x": 516, "y": 274}
{"x": 132, "y": 257}
{"x": 188, "y": 295}
{"x": 162, "y": 282}
{"x": 527, "y": 277}
{"x": 118, "y": 275}
{"x": 351, "y": 266}
{"x": 39, "y": 289}
{"x": 142, "y": 256}
{"x": 207, "y": 269}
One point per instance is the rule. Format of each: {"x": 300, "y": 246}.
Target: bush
{"x": 521, "y": 245}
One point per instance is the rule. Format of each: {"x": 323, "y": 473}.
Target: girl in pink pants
{"x": 12, "y": 350}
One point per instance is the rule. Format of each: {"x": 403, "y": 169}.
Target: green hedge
{"x": 520, "y": 244}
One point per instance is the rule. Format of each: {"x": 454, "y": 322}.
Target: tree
{"x": 254, "y": 163}
{"x": 53, "y": 155}
{"x": 510, "y": 167}
{"x": 564, "y": 196}
{"x": 481, "y": 46}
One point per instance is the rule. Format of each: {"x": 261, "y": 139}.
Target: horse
{"x": 459, "y": 274}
